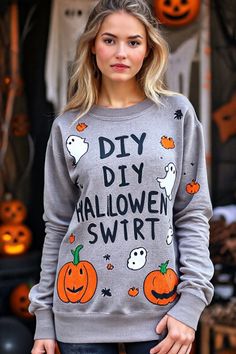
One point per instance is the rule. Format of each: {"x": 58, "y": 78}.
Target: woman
{"x": 125, "y": 257}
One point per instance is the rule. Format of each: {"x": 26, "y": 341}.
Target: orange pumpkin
{"x": 160, "y": 285}
{"x": 192, "y": 187}
{"x": 176, "y": 12}
{"x": 19, "y": 301}
{"x": 133, "y": 291}
{"x": 14, "y": 239}
{"x": 77, "y": 280}
{"x": 167, "y": 143}
{"x": 12, "y": 211}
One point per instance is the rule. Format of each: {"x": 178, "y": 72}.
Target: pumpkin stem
{"x": 163, "y": 267}
{"x": 75, "y": 254}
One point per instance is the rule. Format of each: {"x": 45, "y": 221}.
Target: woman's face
{"x": 121, "y": 39}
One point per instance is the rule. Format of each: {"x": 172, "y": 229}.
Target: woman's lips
{"x": 119, "y": 67}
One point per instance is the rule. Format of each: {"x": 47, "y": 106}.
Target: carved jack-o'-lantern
{"x": 19, "y": 301}
{"x": 176, "y": 12}
{"x": 160, "y": 285}
{"x": 12, "y": 211}
{"x": 14, "y": 239}
{"x": 77, "y": 280}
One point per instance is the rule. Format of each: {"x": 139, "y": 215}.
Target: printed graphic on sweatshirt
{"x": 169, "y": 237}
{"x": 77, "y": 147}
{"x": 192, "y": 187}
{"x": 106, "y": 292}
{"x": 133, "y": 292}
{"x": 111, "y": 218}
{"x": 80, "y": 127}
{"x": 72, "y": 238}
{"x": 137, "y": 258}
{"x": 160, "y": 286}
{"x": 167, "y": 143}
{"x": 110, "y": 266}
{"x": 178, "y": 114}
{"x": 168, "y": 181}
{"x": 77, "y": 280}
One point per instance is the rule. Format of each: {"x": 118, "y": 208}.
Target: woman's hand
{"x": 44, "y": 346}
{"x": 179, "y": 338}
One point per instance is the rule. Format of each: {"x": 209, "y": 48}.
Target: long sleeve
{"x": 191, "y": 214}
{"x": 60, "y": 196}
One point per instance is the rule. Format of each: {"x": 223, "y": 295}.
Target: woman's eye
{"x": 134, "y": 42}
{"x": 108, "y": 40}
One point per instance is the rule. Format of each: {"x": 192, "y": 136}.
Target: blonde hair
{"x": 85, "y": 79}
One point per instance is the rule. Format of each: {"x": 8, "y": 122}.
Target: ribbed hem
{"x": 44, "y": 325}
{"x": 108, "y": 328}
{"x": 188, "y": 309}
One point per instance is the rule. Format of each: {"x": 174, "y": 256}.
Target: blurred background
{"x": 37, "y": 45}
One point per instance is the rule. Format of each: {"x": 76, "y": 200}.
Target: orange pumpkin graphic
{"x": 192, "y": 187}
{"x": 81, "y": 127}
{"x": 167, "y": 143}
{"x": 176, "y": 12}
{"x": 77, "y": 280}
{"x": 160, "y": 285}
{"x": 133, "y": 291}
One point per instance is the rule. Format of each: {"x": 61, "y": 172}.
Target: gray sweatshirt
{"x": 126, "y": 209}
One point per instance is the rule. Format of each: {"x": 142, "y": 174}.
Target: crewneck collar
{"x": 124, "y": 113}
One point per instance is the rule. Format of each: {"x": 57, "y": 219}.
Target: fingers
{"x": 163, "y": 347}
{"x": 44, "y": 346}
{"x": 162, "y": 325}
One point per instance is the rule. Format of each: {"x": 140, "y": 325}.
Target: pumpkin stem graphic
{"x": 163, "y": 267}
{"x": 75, "y": 254}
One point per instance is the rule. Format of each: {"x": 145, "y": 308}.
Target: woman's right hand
{"x": 44, "y": 346}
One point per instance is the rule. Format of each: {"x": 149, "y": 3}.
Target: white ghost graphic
{"x": 137, "y": 258}
{"x": 169, "y": 237}
{"x": 77, "y": 147}
{"x": 169, "y": 180}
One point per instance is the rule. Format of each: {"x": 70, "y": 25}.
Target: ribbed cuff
{"x": 44, "y": 325}
{"x": 188, "y": 309}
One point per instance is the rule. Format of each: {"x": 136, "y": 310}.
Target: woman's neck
{"x": 120, "y": 95}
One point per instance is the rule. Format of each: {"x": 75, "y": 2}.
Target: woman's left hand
{"x": 179, "y": 338}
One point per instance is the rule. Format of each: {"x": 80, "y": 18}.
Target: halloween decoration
{"x": 225, "y": 118}
{"x": 14, "y": 239}
{"x": 160, "y": 285}
{"x": 176, "y": 13}
{"x": 19, "y": 301}
{"x": 15, "y": 338}
{"x": 178, "y": 74}
{"x": 77, "y": 280}
{"x": 106, "y": 292}
{"x": 12, "y": 211}
{"x": 192, "y": 187}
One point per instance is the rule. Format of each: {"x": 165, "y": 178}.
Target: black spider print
{"x": 107, "y": 257}
{"x": 192, "y": 164}
{"x": 106, "y": 292}
{"x": 178, "y": 114}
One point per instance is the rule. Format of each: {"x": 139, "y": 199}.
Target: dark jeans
{"x": 106, "y": 348}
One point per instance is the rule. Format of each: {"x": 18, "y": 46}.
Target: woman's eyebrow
{"x": 130, "y": 37}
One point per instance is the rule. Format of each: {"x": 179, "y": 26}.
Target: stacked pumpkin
{"x": 15, "y": 237}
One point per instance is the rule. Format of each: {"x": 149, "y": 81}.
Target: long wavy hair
{"x": 85, "y": 79}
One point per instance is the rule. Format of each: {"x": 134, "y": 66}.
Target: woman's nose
{"x": 121, "y": 52}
